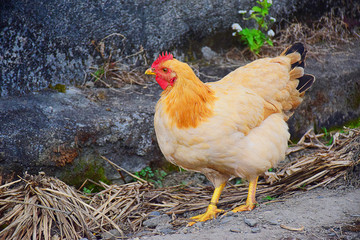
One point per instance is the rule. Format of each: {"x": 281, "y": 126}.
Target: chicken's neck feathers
{"x": 188, "y": 102}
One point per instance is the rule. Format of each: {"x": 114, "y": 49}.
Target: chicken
{"x": 235, "y": 127}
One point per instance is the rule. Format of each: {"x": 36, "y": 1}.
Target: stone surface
{"x": 48, "y": 130}
{"x": 113, "y": 234}
{"x": 208, "y": 53}
{"x": 48, "y": 41}
{"x": 251, "y": 222}
{"x": 162, "y": 220}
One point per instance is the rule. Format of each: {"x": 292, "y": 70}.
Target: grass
{"x": 154, "y": 176}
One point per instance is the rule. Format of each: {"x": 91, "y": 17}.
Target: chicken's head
{"x": 164, "y": 75}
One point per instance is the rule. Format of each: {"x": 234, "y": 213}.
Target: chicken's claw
{"x": 211, "y": 212}
{"x": 246, "y": 207}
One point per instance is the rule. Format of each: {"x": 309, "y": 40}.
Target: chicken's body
{"x": 233, "y": 127}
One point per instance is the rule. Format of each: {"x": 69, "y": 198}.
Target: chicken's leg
{"x": 250, "y": 201}
{"x": 212, "y": 209}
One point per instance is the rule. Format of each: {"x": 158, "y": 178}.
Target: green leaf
{"x": 256, "y": 9}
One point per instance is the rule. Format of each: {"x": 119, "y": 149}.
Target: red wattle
{"x": 163, "y": 84}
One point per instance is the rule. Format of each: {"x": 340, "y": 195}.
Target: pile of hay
{"x": 38, "y": 207}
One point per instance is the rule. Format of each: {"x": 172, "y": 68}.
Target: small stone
{"x": 185, "y": 230}
{"x": 198, "y": 224}
{"x": 154, "y": 214}
{"x": 153, "y": 222}
{"x": 273, "y": 222}
{"x": 89, "y": 84}
{"x": 113, "y": 234}
{"x": 230, "y": 214}
{"x": 235, "y": 229}
{"x": 208, "y": 54}
{"x": 255, "y": 230}
{"x": 250, "y": 222}
{"x": 166, "y": 228}
{"x": 226, "y": 219}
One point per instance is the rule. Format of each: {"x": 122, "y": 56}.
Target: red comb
{"x": 162, "y": 57}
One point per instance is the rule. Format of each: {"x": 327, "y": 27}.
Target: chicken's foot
{"x": 212, "y": 209}
{"x": 250, "y": 201}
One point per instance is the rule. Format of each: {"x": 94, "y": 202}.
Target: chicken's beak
{"x": 150, "y": 72}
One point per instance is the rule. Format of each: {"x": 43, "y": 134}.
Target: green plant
{"x": 238, "y": 181}
{"x": 268, "y": 198}
{"x": 327, "y": 137}
{"x": 255, "y": 38}
{"x": 87, "y": 190}
{"x": 156, "y": 176}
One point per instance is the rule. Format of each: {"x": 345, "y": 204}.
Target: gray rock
{"x": 113, "y": 234}
{"x": 236, "y": 230}
{"x": 198, "y": 224}
{"x": 207, "y": 53}
{"x": 166, "y": 228}
{"x": 273, "y": 222}
{"x": 48, "y": 41}
{"x": 154, "y": 214}
{"x": 230, "y": 214}
{"x": 63, "y": 134}
{"x": 250, "y": 222}
{"x": 155, "y": 221}
{"x": 255, "y": 230}
{"x": 227, "y": 219}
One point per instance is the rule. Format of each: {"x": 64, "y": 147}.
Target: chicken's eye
{"x": 165, "y": 70}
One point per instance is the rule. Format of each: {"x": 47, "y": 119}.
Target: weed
{"x": 327, "y": 137}
{"x": 256, "y": 38}
{"x": 268, "y": 198}
{"x": 238, "y": 181}
{"x": 88, "y": 190}
{"x": 156, "y": 176}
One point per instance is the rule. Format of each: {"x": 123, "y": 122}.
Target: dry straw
{"x": 37, "y": 207}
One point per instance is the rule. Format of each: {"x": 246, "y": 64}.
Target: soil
{"x": 323, "y": 213}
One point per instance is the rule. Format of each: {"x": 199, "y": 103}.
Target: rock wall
{"x": 43, "y": 42}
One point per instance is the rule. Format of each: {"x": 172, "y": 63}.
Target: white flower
{"x": 269, "y": 1}
{"x": 242, "y": 11}
{"x": 251, "y": 11}
{"x": 236, "y": 27}
{"x": 273, "y": 19}
{"x": 270, "y": 33}
{"x": 234, "y": 34}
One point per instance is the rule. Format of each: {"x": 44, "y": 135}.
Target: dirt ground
{"x": 322, "y": 213}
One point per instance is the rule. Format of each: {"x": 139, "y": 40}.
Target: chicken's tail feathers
{"x": 297, "y": 55}
{"x": 305, "y": 82}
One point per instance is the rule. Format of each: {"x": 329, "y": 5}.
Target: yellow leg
{"x": 250, "y": 201}
{"x": 212, "y": 209}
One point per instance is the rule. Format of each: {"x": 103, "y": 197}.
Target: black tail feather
{"x": 305, "y": 82}
{"x": 296, "y": 47}
{"x": 300, "y": 63}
